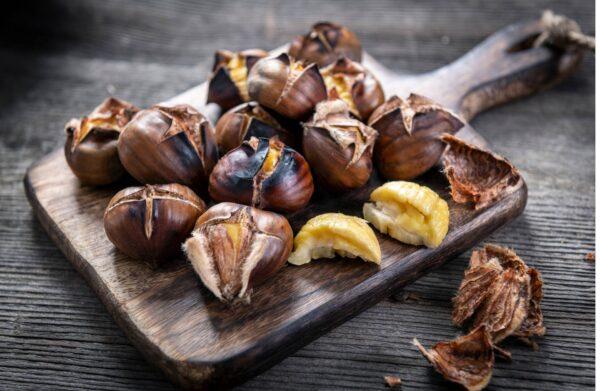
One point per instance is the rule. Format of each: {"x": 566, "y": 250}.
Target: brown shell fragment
{"x": 478, "y": 176}
{"x": 502, "y": 293}
{"x": 466, "y": 360}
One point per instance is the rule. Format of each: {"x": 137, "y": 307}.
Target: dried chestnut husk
{"x": 234, "y": 248}
{"x": 91, "y": 145}
{"x": 228, "y": 84}
{"x": 338, "y": 147}
{"x": 409, "y": 135}
{"x": 477, "y": 176}
{"x": 355, "y": 85}
{"x": 287, "y": 86}
{"x": 150, "y": 223}
{"x": 264, "y": 173}
{"x": 325, "y": 43}
{"x": 169, "y": 145}
{"x": 466, "y": 360}
{"x": 500, "y": 292}
{"x": 245, "y": 121}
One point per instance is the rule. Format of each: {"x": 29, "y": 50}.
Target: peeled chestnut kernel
{"x": 338, "y": 147}
{"x": 245, "y": 121}
{"x": 325, "y": 43}
{"x": 263, "y": 173}
{"x": 169, "y": 145}
{"x": 228, "y": 84}
{"x": 234, "y": 248}
{"x": 355, "y": 85}
{"x": 91, "y": 145}
{"x": 150, "y": 223}
{"x": 286, "y": 86}
{"x": 409, "y": 135}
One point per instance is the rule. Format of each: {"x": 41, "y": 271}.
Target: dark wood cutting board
{"x": 199, "y": 341}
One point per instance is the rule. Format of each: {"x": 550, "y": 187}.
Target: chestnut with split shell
{"x": 325, "y": 43}
{"x": 409, "y": 135}
{"x": 228, "y": 84}
{"x": 263, "y": 173}
{"x": 169, "y": 145}
{"x": 355, "y": 85}
{"x": 150, "y": 223}
{"x": 234, "y": 248}
{"x": 91, "y": 145}
{"x": 289, "y": 87}
{"x": 246, "y": 121}
{"x": 338, "y": 147}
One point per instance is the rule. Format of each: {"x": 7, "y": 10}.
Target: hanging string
{"x": 563, "y": 33}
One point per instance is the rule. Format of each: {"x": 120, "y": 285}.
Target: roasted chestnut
{"x": 263, "y": 173}
{"x": 245, "y": 121}
{"x": 169, "y": 145}
{"x": 355, "y": 85}
{"x": 325, "y": 43}
{"x": 338, "y": 147}
{"x": 228, "y": 85}
{"x": 91, "y": 145}
{"x": 234, "y": 248}
{"x": 409, "y": 135}
{"x": 286, "y": 86}
{"x": 150, "y": 223}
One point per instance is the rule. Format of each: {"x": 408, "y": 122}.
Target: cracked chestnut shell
{"x": 245, "y": 121}
{"x": 263, "y": 173}
{"x": 409, "y": 135}
{"x": 169, "y": 145}
{"x": 338, "y": 147}
{"x": 289, "y": 87}
{"x": 228, "y": 84}
{"x": 91, "y": 145}
{"x": 234, "y": 248}
{"x": 325, "y": 43}
{"x": 149, "y": 223}
{"x": 355, "y": 85}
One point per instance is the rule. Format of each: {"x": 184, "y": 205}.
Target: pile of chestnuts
{"x": 311, "y": 118}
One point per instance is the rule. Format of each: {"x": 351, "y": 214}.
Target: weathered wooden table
{"x": 60, "y": 58}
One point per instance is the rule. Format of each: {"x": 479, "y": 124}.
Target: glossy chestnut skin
{"x": 150, "y": 223}
{"x": 245, "y": 121}
{"x": 226, "y": 87}
{"x": 289, "y": 87}
{"x": 338, "y": 147}
{"x": 244, "y": 176}
{"x": 325, "y": 43}
{"x": 91, "y": 144}
{"x": 409, "y": 135}
{"x": 231, "y": 265}
{"x": 355, "y": 85}
{"x": 169, "y": 145}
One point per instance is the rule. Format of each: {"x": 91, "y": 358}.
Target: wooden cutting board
{"x": 200, "y": 342}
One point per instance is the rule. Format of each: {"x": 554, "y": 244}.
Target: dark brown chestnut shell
{"x": 150, "y": 223}
{"x": 325, "y": 43}
{"x": 169, "y": 145}
{"x": 242, "y": 176}
{"x": 409, "y": 135}
{"x": 231, "y": 264}
{"x": 355, "y": 85}
{"x": 338, "y": 147}
{"x": 246, "y": 121}
{"x": 91, "y": 144}
{"x": 286, "y": 86}
{"x": 226, "y": 88}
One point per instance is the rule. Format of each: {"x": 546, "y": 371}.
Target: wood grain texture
{"x": 56, "y": 335}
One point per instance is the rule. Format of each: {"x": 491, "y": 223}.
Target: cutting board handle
{"x": 503, "y": 67}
